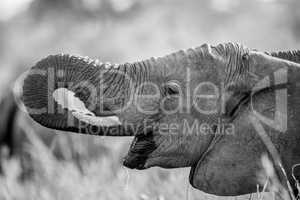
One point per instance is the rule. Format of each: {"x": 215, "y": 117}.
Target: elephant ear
{"x": 265, "y": 92}
{"x": 266, "y": 99}
{"x": 263, "y": 82}
{"x": 235, "y": 97}
{"x": 262, "y": 94}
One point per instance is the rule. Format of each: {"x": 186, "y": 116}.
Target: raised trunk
{"x": 101, "y": 88}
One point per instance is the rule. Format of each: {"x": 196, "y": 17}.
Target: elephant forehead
{"x": 205, "y": 61}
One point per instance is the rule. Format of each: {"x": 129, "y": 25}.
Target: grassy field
{"x": 124, "y": 31}
{"x": 101, "y": 178}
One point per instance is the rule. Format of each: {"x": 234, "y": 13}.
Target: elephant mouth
{"x": 140, "y": 149}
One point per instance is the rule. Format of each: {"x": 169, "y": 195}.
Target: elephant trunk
{"x": 72, "y": 93}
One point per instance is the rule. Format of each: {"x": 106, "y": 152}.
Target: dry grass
{"x": 101, "y": 178}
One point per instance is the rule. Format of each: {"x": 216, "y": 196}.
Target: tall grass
{"x": 98, "y": 179}
{"x": 101, "y": 178}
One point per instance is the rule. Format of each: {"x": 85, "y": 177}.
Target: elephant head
{"x": 192, "y": 108}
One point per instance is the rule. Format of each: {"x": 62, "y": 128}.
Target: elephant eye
{"x": 245, "y": 57}
{"x": 172, "y": 88}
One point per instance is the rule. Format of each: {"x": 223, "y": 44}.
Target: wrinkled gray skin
{"x": 221, "y": 164}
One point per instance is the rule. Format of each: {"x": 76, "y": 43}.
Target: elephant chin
{"x": 140, "y": 149}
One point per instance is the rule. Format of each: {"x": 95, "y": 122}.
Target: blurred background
{"x": 122, "y": 31}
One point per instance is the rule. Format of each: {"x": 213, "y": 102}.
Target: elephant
{"x": 201, "y": 108}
